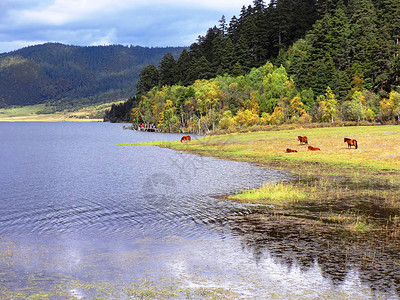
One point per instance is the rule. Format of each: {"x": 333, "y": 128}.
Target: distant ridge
{"x": 68, "y": 76}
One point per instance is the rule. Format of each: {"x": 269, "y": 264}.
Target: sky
{"x": 155, "y": 23}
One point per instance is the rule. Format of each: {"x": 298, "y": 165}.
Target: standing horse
{"x": 350, "y": 143}
{"x": 185, "y": 138}
{"x": 302, "y": 139}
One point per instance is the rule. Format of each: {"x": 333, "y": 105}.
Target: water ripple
{"x": 130, "y": 190}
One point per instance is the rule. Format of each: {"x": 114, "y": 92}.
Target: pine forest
{"x": 288, "y": 61}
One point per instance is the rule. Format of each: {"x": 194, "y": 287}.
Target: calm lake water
{"x": 80, "y": 215}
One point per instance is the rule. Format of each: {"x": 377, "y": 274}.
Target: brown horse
{"x": 288, "y": 150}
{"x": 185, "y": 138}
{"x": 351, "y": 142}
{"x": 313, "y": 148}
{"x": 303, "y": 139}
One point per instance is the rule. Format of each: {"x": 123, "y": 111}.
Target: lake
{"x": 84, "y": 218}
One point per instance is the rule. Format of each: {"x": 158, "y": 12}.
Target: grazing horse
{"x": 185, "y": 138}
{"x": 350, "y": 143}
{"x": 313, "y": 148}
{"x": 302, "y": 139}
{"x": 288, "y": 150}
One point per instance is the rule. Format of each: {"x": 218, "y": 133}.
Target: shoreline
{"x": 37, "y": 113}
{"x": 51, "y": 121}
{"x": 351, "y": 189}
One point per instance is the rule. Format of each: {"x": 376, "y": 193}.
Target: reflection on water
{"x": 345, "y": 260}
{"x": 79, "y": 211}
{"x": 62, "y": 178}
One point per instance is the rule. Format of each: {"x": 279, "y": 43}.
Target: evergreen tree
{"x": 223, "y": 27}
{"x": 242, "y": 53}
{"x": 218, "y": 51}
{"x": 149, "y": 77}
{"x": 304, "y": 16}
{"x": 339, "y": 33}
{"x": 296, "y": 61}
{"x": 183, "y": 66}
{"x": 363, "y": 34}
{"x": 237, "y": 70}
{"x": 281, "y": 16}
{"x": 206, "y": 44}
{"x": 233, "y": 29}
{"x": 387, "y": 66}
{"x": 228, "y": 57}
{"x": 168, "y": 70}
{"x": 320, "y": 81}
{"x": 200, "y": 69}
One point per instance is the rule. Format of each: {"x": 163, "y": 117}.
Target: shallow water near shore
{"x": 82, "y": 217}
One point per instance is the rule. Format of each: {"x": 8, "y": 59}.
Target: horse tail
{"x": 356, "y": 144}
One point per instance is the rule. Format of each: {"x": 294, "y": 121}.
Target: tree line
{"x": 320, "y": 61}
{"x": 265, "y": 96}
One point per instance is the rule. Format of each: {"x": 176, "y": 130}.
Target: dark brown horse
{"x": 313, "y": 148}
{"x": 303, "y": 139}
{"x": 185, "y": 138}
{"x": 351, "y": 142}
{"x": 288, "y": 150}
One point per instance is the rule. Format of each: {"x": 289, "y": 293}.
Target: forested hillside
{"x": 288, "y": 61}
{"x": 72, "y": 76}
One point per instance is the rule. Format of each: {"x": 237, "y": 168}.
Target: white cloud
{"x": 94, "y": 22}
{"x": 108, "y": 39}
{"x": 62, "y": 12}
{"x": 210, "y": 4}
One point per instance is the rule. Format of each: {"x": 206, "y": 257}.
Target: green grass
{"x": 379, "y": 146}
{"x": 21, "y": 111}
{"x": 272, "y": 193}
{"x": 33, "y": 113}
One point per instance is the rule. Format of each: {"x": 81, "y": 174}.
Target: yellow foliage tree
{"x": 328, "y": 105}
{"x": 135, "y": 113}
{"x": 296, "y": 108}
{"x": 394, "y": 98}
{"x": 277, "y": 116}
{"x": 386, "y": 109}
{"x": 246, "y": 118}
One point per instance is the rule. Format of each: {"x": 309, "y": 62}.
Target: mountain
{"x": 67, "y": 76}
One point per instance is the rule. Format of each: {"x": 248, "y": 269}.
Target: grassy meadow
{"x": 356, "y": 189}
{"x": 33, "y": 113}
